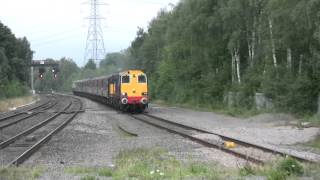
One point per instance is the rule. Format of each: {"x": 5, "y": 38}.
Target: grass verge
{"x": 158, "y": 164}
{"x": 314, "y": 120}
{"x": 21, "y": 173}
{"x": 6, "y": 104}
{"x": 149, "y": 165}
{"x": 287, "y": 168}
{"x": 106, "y": 172}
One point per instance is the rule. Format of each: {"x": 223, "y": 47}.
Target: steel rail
{"x": 31, "y": 129}
{"x": 25, "y": 111}
{"x": 27, "y": 117}
{"x": 227, "y": 138}
{"x": 126, "y": 131}
{"x": 25, "y": 155}
{"x": 63, "y": 112}
{"x": 203, "y": 142}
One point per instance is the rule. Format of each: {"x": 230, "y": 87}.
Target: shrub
{"x": 88, "y": 178}
{"x": 247, "y": 170}
{"x": 12, "y": 89}
{"x": 291, "y": 167}
{"x": 275, "y": 174}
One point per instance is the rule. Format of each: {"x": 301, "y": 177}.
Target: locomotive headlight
{"x": 144, "y": 101}
{"x": 144, "y": 94}
{"x": 124, "y": 94}
{"x": 124, "y": 101}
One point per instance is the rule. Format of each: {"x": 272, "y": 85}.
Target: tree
{"x": 90, "y": 65}
{"x": 201, "y": 49}
{"x": 4, "y": 67}
{"x": 15, "y": 55}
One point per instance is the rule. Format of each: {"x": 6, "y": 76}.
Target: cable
{"x": 147, "y": 2}
{"x": 55, "y": 40}
{"x": 56, "y": 34}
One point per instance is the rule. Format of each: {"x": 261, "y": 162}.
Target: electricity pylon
{"x": 95, "y": 49}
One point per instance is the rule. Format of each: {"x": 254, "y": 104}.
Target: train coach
{"x": 127, "y": 90}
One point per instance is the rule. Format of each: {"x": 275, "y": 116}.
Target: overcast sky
{"x": 56, "y": 28}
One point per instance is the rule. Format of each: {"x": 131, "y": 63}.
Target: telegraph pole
{"x": 32, "y": 84}
{"x": 95, "y": 49}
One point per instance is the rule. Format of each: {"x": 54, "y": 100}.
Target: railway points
{"x": 246, "y": 150}
{"x": 18, "y": 146}
{"x": 255, "y": 153}
{"x": 27, "y": 115}
{"x": 102, "y": 132}
{"x": 7, "y": 115}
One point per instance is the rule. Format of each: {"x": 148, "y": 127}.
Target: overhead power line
{"x": 146, "y": 2}
{"x": 54, "y": 40}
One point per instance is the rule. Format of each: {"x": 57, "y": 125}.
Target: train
{"x": 126, "y": 90}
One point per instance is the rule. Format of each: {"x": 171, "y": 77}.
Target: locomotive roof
{"x": 95, "y": 78}
{"x": 105, "y": 77}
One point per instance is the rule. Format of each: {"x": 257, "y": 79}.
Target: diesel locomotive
{"x": 127, "y": 90}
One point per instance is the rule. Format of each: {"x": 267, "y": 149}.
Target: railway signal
{"x": 42, "y": 64}
{"x": 41, "y": 72}
{"x": 55, "y": 71}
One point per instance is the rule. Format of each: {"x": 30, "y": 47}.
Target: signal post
{"x": 42, "y": 64}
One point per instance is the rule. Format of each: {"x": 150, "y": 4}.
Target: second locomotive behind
{"x": 127, "y": 90}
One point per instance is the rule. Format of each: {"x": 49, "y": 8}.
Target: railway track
{"x": 27, "y": 114}
{"x": 19, "y": 147}
{"x": 245, "y": 150}
{"x": 18, "y": 112}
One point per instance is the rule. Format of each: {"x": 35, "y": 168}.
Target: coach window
{"x": 125, "y": 79}
{"x": 142, "y": 79}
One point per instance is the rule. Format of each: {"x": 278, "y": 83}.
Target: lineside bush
{"x": 12, "y": 89}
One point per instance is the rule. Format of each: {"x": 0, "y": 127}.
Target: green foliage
{"x": 114, "y": 62}
{"x": 199, "y": 169}
{"x": 247, "y": 170}
{"x": 69, "y": 72}
{"x": 88, "y": 178}
{"x": 312, "y": 170}
{"x": 274, "y": 174}
{"x": 37, "y": 172}
{"x": 187, "y": 52}
{"x": 90, "y": 172}
{"x": 281, "y": 170}
{"x": 106, "y": 172}
{"x": 291, "y": 167}
{"x": 90, "y": 65}
{"x": 15, "y": 55}
{"x": 21, "y": 173}
{"x": 12, "y": 89}
{"x": 313, "y": 119}
{"x": 80, "y": 170}
{"x": 289, "y": 93}
{"x": 157, "y": 164}
{"x": 190, "y": 55}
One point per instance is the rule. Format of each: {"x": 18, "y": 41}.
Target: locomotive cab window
{"x": 125, "y": 79}
{"x": 142, "y": 79}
